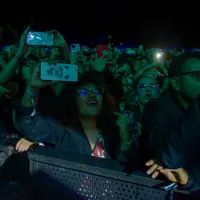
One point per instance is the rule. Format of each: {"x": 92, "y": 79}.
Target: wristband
{"x": 126, "y": 142}
{"x": 32, "y": 101}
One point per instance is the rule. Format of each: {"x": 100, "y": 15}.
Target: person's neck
{"x": 141, "y": 106}
{"x": 184, "y": 103}
{"x": 88, "y": 123}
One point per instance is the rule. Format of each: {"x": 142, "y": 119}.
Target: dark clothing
{"x": 137, "y": 113}
{"x": 47, "y": 129}
{"x": 16, "y": 169}
{"x": 1, "y": 123}
{"x": 171, "y": 134}
{"x": 7, "y": 128}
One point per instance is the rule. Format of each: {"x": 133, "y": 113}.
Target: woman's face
{"x": 89, "y": 100}
{"x": 155, "y": 73}
{"x": 147, "y": 89}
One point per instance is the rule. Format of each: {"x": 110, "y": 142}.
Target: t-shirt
{"x": 99, "y": 149}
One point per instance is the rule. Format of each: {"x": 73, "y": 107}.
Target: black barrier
{"x": 60, "y": 175}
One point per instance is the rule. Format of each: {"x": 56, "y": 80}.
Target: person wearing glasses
{"x": 171, "y": 135}
{"x": 160, "y": 73}
{"x": 147, "y": 87}
{"x": 88, "y": 124}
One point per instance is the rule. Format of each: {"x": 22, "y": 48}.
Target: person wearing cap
{"x": 170, "y": 137}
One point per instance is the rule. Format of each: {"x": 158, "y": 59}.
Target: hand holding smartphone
{"x": 59, "y": 72}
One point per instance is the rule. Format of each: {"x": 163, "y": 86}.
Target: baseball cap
{"x": 177, "y": 65}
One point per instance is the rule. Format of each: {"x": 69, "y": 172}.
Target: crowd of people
{"x": 139, "y": 106}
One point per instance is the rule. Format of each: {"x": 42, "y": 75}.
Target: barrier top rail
{"x": 58, "y": 164}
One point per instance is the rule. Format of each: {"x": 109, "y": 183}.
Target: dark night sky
{"x": 126, "y": 23}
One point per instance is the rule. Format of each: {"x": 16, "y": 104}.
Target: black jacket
{"x": 47, "y": 129}
{"x": 171, "y": 134}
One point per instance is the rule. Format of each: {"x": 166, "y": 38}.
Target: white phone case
{"x": 59, "y": 72}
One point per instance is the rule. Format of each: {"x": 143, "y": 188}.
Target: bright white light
{"x": 158, "y": 55}
{"x": 31, "y": 36}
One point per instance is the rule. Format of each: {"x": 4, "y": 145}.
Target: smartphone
{"x": 102, "y": 50}
{"x": 75, "y": 48}
{"x": 59, "y": 72}
{"x": 40, "y": 38}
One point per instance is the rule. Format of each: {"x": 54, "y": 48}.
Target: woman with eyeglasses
{"x": 138, "y": 99}
{"x": 86, "y": 126}
{"x": 147, "y": 87}
{"x": 161, "y": 74}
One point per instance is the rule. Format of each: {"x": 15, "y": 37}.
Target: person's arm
{"x": 8, "y": 71}
{"x": 171, "y": 143}
{"x": 125, "y": 149}
{"x": 126, "y": 153}
{"x": 38, "y": 128}
{"x": 193, "y": 183}
{"x": 58, "y": 88}
{"x": 30, "y": 93}
{"x": 10, "y": 68}
{"x": 188, "y": 177}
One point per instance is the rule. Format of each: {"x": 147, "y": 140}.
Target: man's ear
{"x": 175, "y": 83}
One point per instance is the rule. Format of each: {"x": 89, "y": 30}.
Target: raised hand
{"x": 35, "y": 81}
{"x": 174, "y": 175}
{"x": 23, "y": 47}
{"x": 59, "y": 40}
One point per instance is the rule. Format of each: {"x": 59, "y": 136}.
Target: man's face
{"x": 189, "y": 83}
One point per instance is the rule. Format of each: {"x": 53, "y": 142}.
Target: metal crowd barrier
{"x": 59, "y": 175}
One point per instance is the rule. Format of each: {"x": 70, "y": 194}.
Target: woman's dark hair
{"x": 106, "y": 120}
{"x": 69, "y": 114}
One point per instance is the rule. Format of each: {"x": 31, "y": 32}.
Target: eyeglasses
{"x": 84, "y": 92}
{"x": 195, "y": 74}
{"x": 144, "y": 86}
